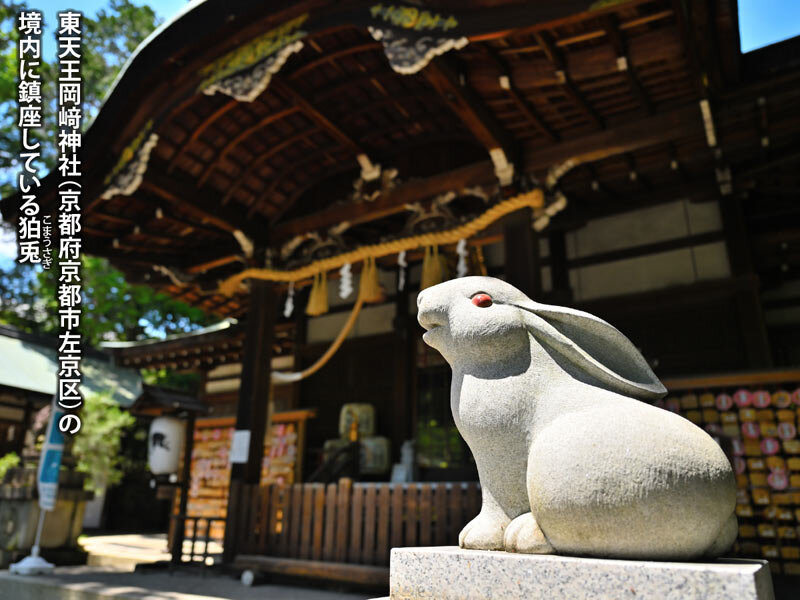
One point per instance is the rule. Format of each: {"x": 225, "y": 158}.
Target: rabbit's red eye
{"x": 482, "y": 300}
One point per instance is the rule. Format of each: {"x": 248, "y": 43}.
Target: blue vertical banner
{"x": 50, "y": 461}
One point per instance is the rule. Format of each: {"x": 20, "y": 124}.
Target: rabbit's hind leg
{"x": 524, "y": 535}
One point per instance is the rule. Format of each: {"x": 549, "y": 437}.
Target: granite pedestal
{"x": 451, "y": 573}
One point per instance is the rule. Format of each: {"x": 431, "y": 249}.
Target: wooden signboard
{"x": 756, "y": 416}
{"x": 210, "y": 472}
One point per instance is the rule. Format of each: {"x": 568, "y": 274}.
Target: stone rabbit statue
{"x": 570, "y": 461}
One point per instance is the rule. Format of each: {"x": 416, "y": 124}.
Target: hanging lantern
{"x": 164, "y": 444}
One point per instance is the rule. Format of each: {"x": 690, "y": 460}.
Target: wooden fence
{"x": 346, "y": 523}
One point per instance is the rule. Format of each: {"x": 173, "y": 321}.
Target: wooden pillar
{"x": 253, "y": 410}
{"x": 559, "y": 267}
{"x": 300, "y": 337}
{"x": 737, "y": 239}
{"x": 522, "y": 267}
{"x": 186, "y": 474}
{"x": 748, "y": 299}
{"x": 406, "y": 329}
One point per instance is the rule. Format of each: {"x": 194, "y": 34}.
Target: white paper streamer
{"x": 345, "y": 281}
{"x": 401, "y": 278}
{"x": 461, "y": 250}
{"x": 288, "y": 308}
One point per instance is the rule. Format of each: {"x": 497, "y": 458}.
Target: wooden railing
{"x": 347, "y": 523}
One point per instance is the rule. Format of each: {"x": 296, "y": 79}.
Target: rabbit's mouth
{"x": 429, "y": 321}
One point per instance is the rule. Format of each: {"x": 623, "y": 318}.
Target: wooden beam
{"x": 202, "y": 267}
{"x": 611, "y": 26}
{"x": 259, "y": 160}
{"x": 698, "y": 239}
{"x": 203, "y": 205}
{"x": 522, "y": 268}
{"x": 198, "y": 131}
{"x": 391, "y": 203}
{"x": 525, "y": 107}
{"x": 117, "y": 220}
{"x": 302, "y": 188}
{"x": 320, "y": 156}
{"x": 254, "y": 393}
{"x": 313, "y": 113}
{"x": 385, "y": 102}
{"x": 656, "y": 129}
{"x": 443, "y": 75}
{"x": 137, "y": 257}
{"x": 327, "y": 57}
{"x": 645, "y": 132}
{"x": 556, "y": 58}
{"x": 559, "y": 267}
{"x": 242, "y": 135}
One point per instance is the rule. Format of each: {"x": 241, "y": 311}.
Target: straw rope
{"x": 533, "y": 199}
{"x": 282, "y": 377}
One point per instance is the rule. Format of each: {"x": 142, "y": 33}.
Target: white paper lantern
{"x": 164, "y": 445}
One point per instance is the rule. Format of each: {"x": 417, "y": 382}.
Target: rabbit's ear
{"x": 595, "y": 348}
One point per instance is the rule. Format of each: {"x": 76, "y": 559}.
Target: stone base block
{"x": 450, "y": 573}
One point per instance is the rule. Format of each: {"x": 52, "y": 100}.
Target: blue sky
{"x": 165, "y": 9}
{"x": 764, "y": 22}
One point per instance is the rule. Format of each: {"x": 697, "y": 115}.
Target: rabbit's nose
{"x": 419, "y": 299}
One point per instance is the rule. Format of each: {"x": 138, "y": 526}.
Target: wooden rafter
{"x": 313, "y": 113}
{"x": 301, "y": 189}
{"x": 261, "y": 159}
{"x": 320, "y": 157}
{"x": 635, "y": 174}
{"x": 611, "y": 26}
{"x": 468, "y": 107}
{"x": 116, "y": 219}
{"x": 675, "y": 163}
{"x": 329, "y": 57}
{"x": 203, "y": 266}
{"x": 411, "y": 128}
{"x": 386, "y": 101}
{"x": 241, "y": 136}
{"x": 556, "y": 58}
{"x": 203, "y": 205}
{"x": 648, "y": 131}
{"x": 525, "y": 107}
{"x": 198, "y": 131}
{"x": 391, "y": 203}
{"x": 641, "y": 133}
{"x": 348, "y": 82}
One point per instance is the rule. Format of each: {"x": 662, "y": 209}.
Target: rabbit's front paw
{"x": 524, "y": 535}
{"x": 482, "y": 533}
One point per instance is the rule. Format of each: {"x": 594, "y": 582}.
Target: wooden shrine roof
{"x": 250, "y": 133}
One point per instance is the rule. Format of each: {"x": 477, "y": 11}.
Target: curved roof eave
{"x": 140, "y": 48}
